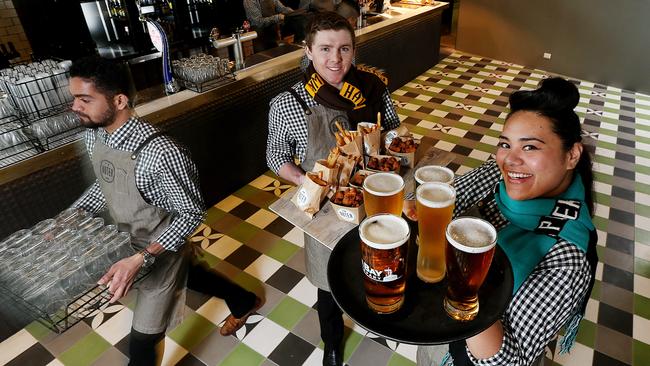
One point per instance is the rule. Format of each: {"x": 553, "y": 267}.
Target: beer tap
{"x": 235, "y": 40}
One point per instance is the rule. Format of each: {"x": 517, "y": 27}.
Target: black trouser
{"x": 203, "y": 279}
{"x": 330, "y": 318}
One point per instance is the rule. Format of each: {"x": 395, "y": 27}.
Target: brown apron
{"x": 320, "y": 139}
{"x": 161, "y": 295}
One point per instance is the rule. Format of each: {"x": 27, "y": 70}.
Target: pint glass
{"x": 470, "y": 248}
{"x": 383, "y": 193}
{"x": 433, "y": 173}
{"x": 435, "y": 206}
{"x": 384, "y": 244}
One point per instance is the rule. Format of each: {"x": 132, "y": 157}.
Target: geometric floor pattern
{"x": 461, "y": 103}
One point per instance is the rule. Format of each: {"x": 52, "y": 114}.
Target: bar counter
{"x": 224, "y": 128}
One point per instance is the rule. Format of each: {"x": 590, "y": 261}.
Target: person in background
{"x": 149, "y": 185}
{"x": 538, "y": 194}
{"x": 301, "y": 124}
{"x": 266, "y": 17}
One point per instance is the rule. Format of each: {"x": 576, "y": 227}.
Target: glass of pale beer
{"x": 384, "y": 251}
{"x": 435, "y": 206}
{"x": 433, "y": 173}
{"x": 383, "y": 193}
{"x": 470, "y": 248}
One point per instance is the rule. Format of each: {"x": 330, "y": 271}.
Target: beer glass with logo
{"x": 383, "y": 193}
{"x": 435, "y": 206}
{"x": 470, "y": 248}
{"x": 384, "y": 247}
{"x": 433, "y": 173}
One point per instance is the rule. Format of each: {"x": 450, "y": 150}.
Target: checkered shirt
{"x": 164, "y": 174}
{"x": 288, "y": 126}
{"x": 549, "y": 296}
{"x": 253, "y": 9}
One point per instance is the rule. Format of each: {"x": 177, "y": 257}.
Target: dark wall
{"x": 595, "y": 40}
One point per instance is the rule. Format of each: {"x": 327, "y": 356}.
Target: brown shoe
{"x": 232, "y": 324}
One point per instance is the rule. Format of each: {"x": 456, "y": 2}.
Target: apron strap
{"x": 145, "y": 143}
{"x": 302, "y": 103}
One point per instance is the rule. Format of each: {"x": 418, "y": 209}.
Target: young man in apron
{"x": 301, "y": 124}
{"x": 150, "y": 187}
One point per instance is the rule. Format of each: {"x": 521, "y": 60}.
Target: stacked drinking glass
{"x": 57, "y": 260}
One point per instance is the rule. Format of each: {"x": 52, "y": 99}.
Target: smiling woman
{"x": 538, "y": 194}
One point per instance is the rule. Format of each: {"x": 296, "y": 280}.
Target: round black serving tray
{"x": 422, "y": 318}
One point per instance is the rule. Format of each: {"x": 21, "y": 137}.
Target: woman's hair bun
{"x": 562, "y": 93}
{"x": 554, "y": 95}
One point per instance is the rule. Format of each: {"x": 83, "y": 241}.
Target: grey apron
{"x": 161, "y": 295}
{"x": 320, "y": 139}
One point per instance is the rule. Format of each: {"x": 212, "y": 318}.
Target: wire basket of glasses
{"x": 57, "y": 130}
{"x": 202, "y": 72}
{"x": 16, "y": 143}
{"x": 52, "y": 269}
{"x": 38, "y": 89}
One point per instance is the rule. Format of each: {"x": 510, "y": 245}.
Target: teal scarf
{"x": 537, "y": 224}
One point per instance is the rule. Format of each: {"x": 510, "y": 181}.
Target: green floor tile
{"x": 595, "y": 292}
{"x": 288, "y": 312}
{"x": 399, "y": 360}
{"x": 642, "y": 169}
{"x": 210, "y": 259}
{"x": 586, "y": 333}
{"x": 243, "y": 232}
{"x": 603, "y": 199}
{"x": 642, "y": 306}
{"x": 37, "y": 330}
{"x": 642, "y": 236}
{"x": 351, "y": 342}
{"x": 246, "y": 192}
{"x": 642, "y": 210}
{"x": 603, "y": 178}
{"x": 213, "y": 215}
{"x": 641, "y": 353}
{"x": 249, "y": 282}
{"x": 85, "y": 351}
{"x": 600, "y": 223}
{"x": 642, "y": 267}
{"x": 243, "y": 355}
{"x": 283, "y": 250}
{"x": 192, "y": 331}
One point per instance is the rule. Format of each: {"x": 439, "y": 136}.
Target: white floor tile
{"x": 263, "y": 267}
{"x": 223, "y": 247}
{"x": 642, "y": 286}
{"x": 579, "y": 355}
{"x": 641, "y": 329}
{"x": 642, "y": 198}
{"x": 407, "y": 350}
{"x": 229, "y": 203}
{"x": 215, "y": 310}
{"x": 117, "y": 327}
{"x": 296, "y": 236}
{"x": 591, "y": 313}
{"x": 315, "y": 359}
{"x": 265, "y": 337}
{"x": 55, "y": 362}
{"x": 15, "y": 345}
{"x": 173, "y": 353}
{"x": 304, "y": 292}
{"x": 642, "y": 250}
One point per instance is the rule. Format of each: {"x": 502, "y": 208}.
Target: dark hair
{"x": 110, "y": 77}
{"x": 555, "y": 99}
{"x": 327, "y": 20}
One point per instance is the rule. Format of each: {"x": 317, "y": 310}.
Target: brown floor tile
{"x": 617, "y": 259}
{"x": 614, "y": 344}
{"x": 61, "y": 342}
{"x": 112, "y": 357}
{"x": 214, "y": 348}
{"x": 617, "y": 297}
{"x": 263, "y": 241}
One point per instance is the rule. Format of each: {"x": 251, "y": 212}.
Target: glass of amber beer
{"x": 470, "y": 248}
{"x": 433, "y": 173}
{"x": 383, "y": 193}
{"x": 384, "y": 247}
{"x": 435, "y": 206}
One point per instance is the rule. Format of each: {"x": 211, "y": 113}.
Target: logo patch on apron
{"x": 107, "y": 170}
{"x": 343, "y": 120}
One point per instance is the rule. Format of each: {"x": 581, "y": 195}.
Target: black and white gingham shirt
{"x": 164, "y": 174}
{"x": 550, "y": 294}
{"x": 253, "y": 10}
{"x": 288, "y": 126}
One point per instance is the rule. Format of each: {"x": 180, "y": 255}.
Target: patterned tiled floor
{"x": 461, "y": 104}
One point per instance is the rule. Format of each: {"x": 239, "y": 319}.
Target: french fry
{"x": 341, "y": 130}
{"x": 317, "y": 178}
{"x": 333, "y": 155}
{"x": 379, "y": 120}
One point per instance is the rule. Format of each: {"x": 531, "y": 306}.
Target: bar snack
{"x": 310, "y": 194}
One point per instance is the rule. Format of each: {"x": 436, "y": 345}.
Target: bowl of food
{"x": 384, "y": 163}
{"x": 358, "y": 178}
{"x": 404, "y": 147}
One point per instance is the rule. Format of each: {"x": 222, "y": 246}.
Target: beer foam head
{"x": 383, "y": 184}
{"x": 384, "y": 231}
{"x": 471, "y": 234}
{"x": 436, "y": 195}
{"x": 434, "y": 173}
